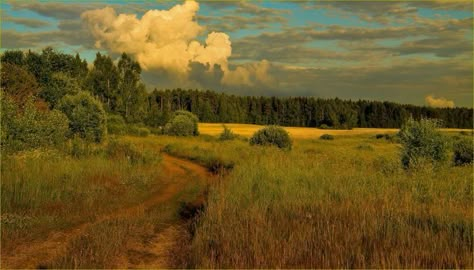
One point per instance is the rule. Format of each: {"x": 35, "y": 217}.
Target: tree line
{"x": 50, "y": 75}
{"x": 211, "y": 106}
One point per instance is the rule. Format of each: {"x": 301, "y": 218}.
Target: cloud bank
{"x": 438, "y": 102}
{"x": 167, "y": 40}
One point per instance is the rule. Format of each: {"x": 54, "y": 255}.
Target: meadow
{"x": 343, "y": 203}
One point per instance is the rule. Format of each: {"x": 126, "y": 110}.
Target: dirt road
{"x": 38, "y": 253}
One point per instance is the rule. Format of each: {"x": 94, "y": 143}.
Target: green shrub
{"x": 140, "y": 131}
{"x": 227, "y": 134}
{"x": 120, "y": 150}
{"x": 116, "y": 129}
{"x": 327, "y": 137}
{"x": 463, "y": 151}
{"x": 59, "y": 86}
{"x": 182, "y": 123}
{"x": 143, "y": 132}
{"x": 116, "y": 125}
{"x": 422, "y": 141}
{"x": 466, "y": 133}
{"x": 324, "y": 126}
{"x": 156, "y": 130}
{"x": 365, "y": 146}
{"x": 86, "y": 115}
{"x": 272, "y": 135}
{"x": 30, "y": 128}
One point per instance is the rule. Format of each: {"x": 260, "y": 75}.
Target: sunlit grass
{"x": 331, "y": 204}
{"x": 47, "y": 190}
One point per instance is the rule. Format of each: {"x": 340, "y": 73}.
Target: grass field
{"x": 298, "y": 132}
{"x": 345, "y": 203}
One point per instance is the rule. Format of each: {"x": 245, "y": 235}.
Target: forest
{"x": 50, "y": 75}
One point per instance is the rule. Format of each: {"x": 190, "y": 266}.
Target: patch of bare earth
{"x": 152, "y": 252}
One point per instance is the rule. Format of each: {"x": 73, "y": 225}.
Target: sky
{"x": 407, "y": 52}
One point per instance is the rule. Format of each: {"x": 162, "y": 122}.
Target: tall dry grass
{"x": 331, "y": 204}
{"x": 48, "y": 190}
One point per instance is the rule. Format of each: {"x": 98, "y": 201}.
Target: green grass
{"x": 46, "y": 190}
{"x": 331, "y": 204}
{"x": 345, "y": 203}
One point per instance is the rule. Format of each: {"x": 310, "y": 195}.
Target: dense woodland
{"x": 50, "y": 75}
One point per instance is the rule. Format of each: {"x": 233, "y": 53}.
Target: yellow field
{"x": 297, "y": 132}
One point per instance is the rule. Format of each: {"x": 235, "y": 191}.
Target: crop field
{"x": 300, "y": 132}
{"x": 346, "y": 203}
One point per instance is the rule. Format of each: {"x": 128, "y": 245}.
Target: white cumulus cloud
{"x": 438, "y": 102}
{"x": 167, "y": 40}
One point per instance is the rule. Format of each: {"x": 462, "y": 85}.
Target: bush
{"x": 465, "y": 133}
{"x": 365, "y": 146}
{"x": 86, "y": 115}
{"x": 182, "y": 123}
{"x": 324, "y": 126}
{"x": 463, "y": 151}
{"x": 379, "y": 136}
{"x": 119, "y": 150}
{"x": 272, "y": 135}
{"x": 328, "y": 137}
{"x": 227, "y": 134}
{"x": 422, "y": 141}
{"x": 156, "y": 130}
{"x": 116, "y": 124}
{"x": 59, "y": 85}
{"x": 30, "y": 128}
{"x": 135, "y": 130}
{"x": 143, "y": 132}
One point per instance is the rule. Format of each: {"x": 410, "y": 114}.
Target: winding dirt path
{"x": 33, "y": 254}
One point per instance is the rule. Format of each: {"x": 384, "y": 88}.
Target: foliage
{"x": 138, "y": 131}
{"x": 30, "y": 128}
{"x": 116, "y": 124}
{"x": 18, "y": 83}
{"x": 422, "y": 141}
{"x": 103, "y": 81}
{"x": 86, "y": 115}
{"x": 379, "y": 136}
{"x": 272, "y": 135}
{"x": 59, "y": 85}
{"x": 324, "y": 126}
{"x": 463, "y": 151}
{"x": 182, "y": 123}
{"x": 227, "y": 134}
{"x": 326, "y": 137}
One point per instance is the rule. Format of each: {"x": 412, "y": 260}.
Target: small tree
{"x": 59, "y": 86}
{"x": 272, "y": 135}
{"x": 227, "y": 134}
{"x": 86, "y": 115}
{"x": 182, "y": 123}
{"x": 463, "y": 151}
{"x": 422, "y": 141}
{"x": 30, "y": 127}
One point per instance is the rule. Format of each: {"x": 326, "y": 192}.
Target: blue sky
{"x": 398, "y": 51}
